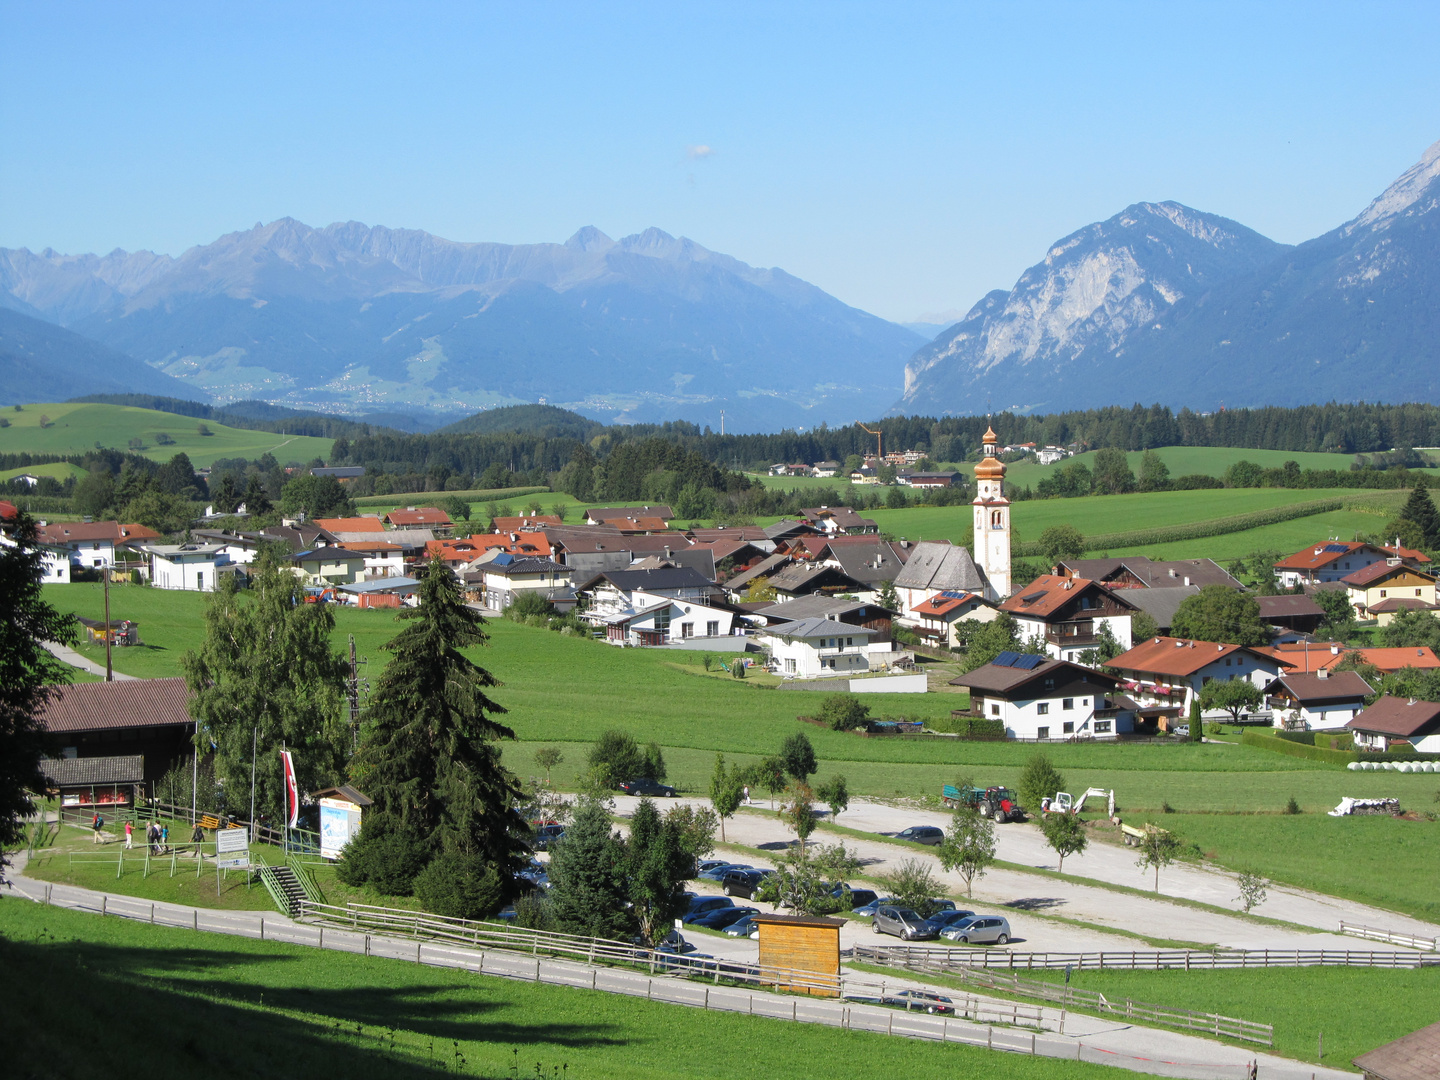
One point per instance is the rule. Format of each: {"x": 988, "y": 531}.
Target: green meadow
{"x": 60, "y": 470}
{"x": 74, "y": 428}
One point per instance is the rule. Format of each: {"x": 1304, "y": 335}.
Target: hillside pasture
{"x": 75, "y": 428}
{"x": 59, "y": 470}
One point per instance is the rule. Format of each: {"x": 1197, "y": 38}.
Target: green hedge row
{"x": 968, "y": 725}
{"x": 1197, "y": 530}
{"x": 1295, "y": 749}
{"x": 1323, "y": 739}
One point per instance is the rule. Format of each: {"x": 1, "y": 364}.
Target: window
{"x": 1417, "y": 592}
{"x": 1382, "y": 593}
{"x": 1227, "y": 661}
{"x": 1043, "y": 708}
{"x": 687, "y": 629}
{"x": 994, "y": 709}
{"x": 790, "y": 665}
{"x": 200, "y": 580}
{"x": 1102, "y": 727}
{"x": 712, "y": 628}
{"x": 849, "y": 641}
{"x": 1042, "y": 733}
{"x": 996, "y": 519}
{"x": 1069, "y": 727}
{"x": 1068, "y": 703}
{"x": 1084, "y": 702}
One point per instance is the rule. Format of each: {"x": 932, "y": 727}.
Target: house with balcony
{"x": 1323, "y": 701}
{"x": 1164, "y": 674}
{"x": 192, "y": 567}
{"x": 1393, "y": 720}
{"x": 500, "y": 577}
{"x": 1069, "y": 613}
{"x": 838, "y": 521}
{"x": 1382, "y": 589}
{"x": 1042, "y": 699}
{"x": 817, "y": 648}
{"x": 94, "y": 544}
{"x": 329, "y": 565}
{"x": 1332, "y": 560}
{"x": 934, "y": 619}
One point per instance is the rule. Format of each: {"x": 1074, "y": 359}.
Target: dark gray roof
{"x": 1311, "y": 688}
{"x": 871, "y": 563}
{"x": 941, "y": 565}
{"x": 1412, "y": 1057}
{"x": 1156, "y": 574}
{"x": 816, "y": 606}
{"x": 788, "y": 528}
{"x": 819, "y": 628}
{"x": 80, "y": 772}
{"x": 1287, "y": 606}
{"x": 340, "y": 472}
{"x": 1160, "y": 604}
{"x": 101, "y": 706}
{"x": 702, "y": 561}
{"x": 802, "y": 575}
{"x": 765, "y": 567}
{"x": 682, "y": 577}
{"x": 998, "y": 679}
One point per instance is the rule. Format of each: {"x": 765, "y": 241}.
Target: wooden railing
{"x": 1410, "y": 941}
{"x": 1149, "y": 960}
{"x": 1086, "y": 1000}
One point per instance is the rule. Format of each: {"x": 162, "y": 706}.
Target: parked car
{"x": 922, "y": 834}
{"x": 904, "y": 923}
{"x": 535, "y": 872}
{"x": 858, "y": 897}
{"x": 703, "y": 905}
{"x": 744, "y": 883}
{"x": 942, "y": 905}
{"x": 944, "y": 919}
{"x": 645, "y": 786}
{"x": 720, "y": 918}
{"x": 706, "y": 865}
{"x": 546, "y": 835}
{"x": 979, "y": 930}
{"x": 868, "y": 910}
{"x": 746, "y": 927}
{"x": 1182, "y": 730}
{"x": 921, "y": 999}
{"x": 717, "y": 873}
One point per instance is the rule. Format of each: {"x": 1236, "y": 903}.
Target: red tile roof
{"x": 1408, "y": 554}
{"x": 369, "y": 545}
{"x": 1322, "y": 554}
{"x": 942, "y": 604}
{"x": 1049, "y": 592}
{"x": 1179, "y": 656}
{"x": 107, "y": 705}
{"x": 351, "y": 524}
{"x": 1322, "y": 654}
{"x": 417, "y": 518}
{"x": 8, "y": 510}
{"x": 1377, "y": 572}
{"x": 69, "y": 532}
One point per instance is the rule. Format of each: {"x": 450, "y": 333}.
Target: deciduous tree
{"x": 1158, "y": 849}
{"x": 969, "y": 846}
{"x": 1233, "y": 695}
{"x": 1039, "y": 780}
{"x": 798, "y": 756}
{"x": 727, "y": 787}
{"x": 1065, "y": 834}
{"x": 1219, "y": 613}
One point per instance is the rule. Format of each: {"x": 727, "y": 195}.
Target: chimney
{"x": 1334, "y": 648}
{"x": 1187, "y": 581}
{"x": 1178, "y": 644}
{"x": 1324, "y": 673}
{"x": 1173, "y": 572}
{"x": 1219, "y": 648}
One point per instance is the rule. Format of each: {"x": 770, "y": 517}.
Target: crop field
{"x": 564, "y": 691}
{"x": 97, "y": 996}
{"x": 1286, "y": 536}
{"x": 75, "y": 428}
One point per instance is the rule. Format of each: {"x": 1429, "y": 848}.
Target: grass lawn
{"x": 105, "y": 996}
{"x": 75, "y": 428}
{"x": 1301, "y": 1003}
{"x": 60, "y": 470}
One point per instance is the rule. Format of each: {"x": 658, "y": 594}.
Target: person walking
{"x": 129, "y": 835}
{"x": 96, "y": 821}
{"x": 198, "y": 839}
{"x": 152, "y": 837}
{"x": 747, "y": 794}
{"x": 164, "y": 839}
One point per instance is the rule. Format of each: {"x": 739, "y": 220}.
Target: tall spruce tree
{"x": 428, "y": 756}
{"x": 657, "y": 867}
{"x": 267, "y": 676}
{"x": 1420, "y": 509}
{"x": 587, "y": 875}
{"x": 28, "y": 674}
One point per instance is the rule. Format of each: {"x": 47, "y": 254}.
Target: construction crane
{"x": 879, "y": 454}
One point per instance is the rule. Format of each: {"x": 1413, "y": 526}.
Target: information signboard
{"x": 339, "y": 823}
{"x": 232, "y": 848}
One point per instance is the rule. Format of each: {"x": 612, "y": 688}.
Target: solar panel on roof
{"x": 1028, "y": 661}
{"x": 953, "y": 594}
{"x": 1340, "y": 548}
{"x": 1006, "y": 659}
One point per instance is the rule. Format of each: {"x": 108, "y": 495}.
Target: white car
{"x": 979, "y": 930}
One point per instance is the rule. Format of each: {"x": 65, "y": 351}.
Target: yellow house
{"x": 330, "y": 565}
{"x": 1381, "y": 589}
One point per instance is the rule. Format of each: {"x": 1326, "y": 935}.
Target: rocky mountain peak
{"x": 1414, "y": 193}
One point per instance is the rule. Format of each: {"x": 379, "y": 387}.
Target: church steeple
{"x": 992, "y": 519}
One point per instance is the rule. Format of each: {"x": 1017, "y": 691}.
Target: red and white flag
{"x": 292, "y": 791}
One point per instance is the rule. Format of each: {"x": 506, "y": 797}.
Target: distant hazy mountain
{"x": 351, "y": 318}
{"x": 1163, "y": 303}
{"x": 40, "y": 361}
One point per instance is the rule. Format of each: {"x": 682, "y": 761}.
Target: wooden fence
{"x": 1071, "y": 997}
{"x": 1186, "y": 959}
{"x": 1410, "y": 941}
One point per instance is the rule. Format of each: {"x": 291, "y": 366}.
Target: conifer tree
{"x": 587, "y": 875}
{"x": 1420, "y": 510}
{"x": 657, "y": 868}
{"x": 428, "y": 756}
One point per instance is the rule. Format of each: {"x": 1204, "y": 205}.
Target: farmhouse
{"x": 614, "y": 516}
{"x": 1323, "y": 701}
{"x": 1395, "y": 720}
{"x": 1070, "y": 614}
{"x": 817, "y": 648}
{"x": 425, "y": 517}
{"x": 1043, "y": 699}
{"x": 1163, "y": 674}
{"x": 1141, "y": 572}
{"x": 1383, "y": 588}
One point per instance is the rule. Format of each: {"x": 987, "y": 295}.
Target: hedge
{"x": 1196, "y": 530}
{"x": 968, "y": 725}
{"x": 1295, "y": 749}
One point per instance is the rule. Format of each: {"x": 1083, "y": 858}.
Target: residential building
{"x": 1312, "y": 656}
{"x": 1395, "y": 720}
{"x": 867, "y": 560}
{"x": 1069, "y": 614}
{"x": 825, "y": 469}
{"x": 382, "y": 558}
{"x": 241, "y": 547}
{"x": 1383, "y": 588}
{"x": 423, "y": 517}
{"x": 94, "y": 544}
{"x": 616, "y": 591}
{"x": 613, "y": 515}
{"x": 1163, "y": 674}
{"x": 1043, "y": 699}
{"x": 302, "y": 536}
{"x": 329, "y": 565}
{"x": 656, "y": 620}
{"x": 838, "y": 520}
{"x": 1048, "y": 455}
{"x": 935, "y": 567}
{"x": 804, "y": 578}
{"x": 499, "y": 577}
{"x": 992, "y": 521}
{"x": 1160, "y": 604}
{"x": 192, "y": 567}
{"x": 1141, "y": 572}
{"x": 935, "y": 619}
{"x": 926, "y": 480}
{"x": 1324, "y": 701}
{"x": 1411, "y": 1057}
{"x": 851, "y": 612}
{"x": 411, "y": 541}
{"x": 817, "y": 648}
{"x": 1291, "y": 611}
{"x": 351, "y": 524}
{"x": 54, "y": 561}
{"x": 1331, "y": 560}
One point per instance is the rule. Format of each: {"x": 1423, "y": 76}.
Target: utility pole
{"x": 352, "y": 691}
{"x": 109, "y": 672}
{"x": 254, "y": 737}
{"x": 722, "y": 423}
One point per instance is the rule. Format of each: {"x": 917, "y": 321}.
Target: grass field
{"x": 666, "y": 697}
{"x": 76, "y": 428}
{"x": 1301, "y": 1003}
{"x": 1284, "y": 536}
{"x": 90, "y": 996}
{"x": 60, "y": 470}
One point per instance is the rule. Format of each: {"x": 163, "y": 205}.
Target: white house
{"x": 1165, "y": 673}
{"x": 1322, "y": 701}
{"x": 1050, "y": 454}
{"x": 1069, "y": 614}
{"x": 95, "y": 543}
{"x": 54, "y": 561}
{"x": 193, "y": 567}
{"x": 1044, "y": 699}
{"x": 500, "y": 577}
{"x": 1394, "y": 720}
{"x": 382, "y": 558}
{"x": 616, "y": 591}
{"x": 817, "y": 648}
{"x": 652, "y": 619}
{"x": 1332, "y": 560}
{"x": 825, "y": 469}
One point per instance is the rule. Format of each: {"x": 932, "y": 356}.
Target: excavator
{"x": 1065, "y": 803}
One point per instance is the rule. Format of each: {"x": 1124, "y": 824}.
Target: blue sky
{"x": 905, "y": 157}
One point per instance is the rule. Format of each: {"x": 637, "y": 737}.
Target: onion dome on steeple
{"x": 991, "y": 468}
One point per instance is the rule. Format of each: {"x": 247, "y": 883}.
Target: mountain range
{"x": 1162, "y": 303}
{"x": 355, "y": 319}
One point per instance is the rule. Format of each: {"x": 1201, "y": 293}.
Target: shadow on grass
{"x": 81, "y": 1007}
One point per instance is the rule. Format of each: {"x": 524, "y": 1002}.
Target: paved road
{"x": 74, "y": 659}
{"x": 1145, "y": 1050}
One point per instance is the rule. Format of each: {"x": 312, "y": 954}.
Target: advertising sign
{"x": 232, "y": 848}
{"x": 339, "y": 822}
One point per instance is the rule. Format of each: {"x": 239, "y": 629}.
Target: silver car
{"x": 979, "y": 930}
{"x": 904, "y": 923}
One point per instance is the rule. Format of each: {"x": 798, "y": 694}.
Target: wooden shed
{"x": 798, "y": 943}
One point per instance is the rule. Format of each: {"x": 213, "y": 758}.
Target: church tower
{"x": 992, "y": 520}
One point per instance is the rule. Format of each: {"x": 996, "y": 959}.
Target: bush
{"x": 1261, "y": 741}
{"x": 843, "y": 712}
{"x": 1038, "y": 780}
{"x": 386, "y": 856}
{"x": 529, "y": 603}
{"x": 620, "y": 753}
{"x": 975, "y": 726}
{"x": 1292, "y": 807}
{"x": 460, "y": 887}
